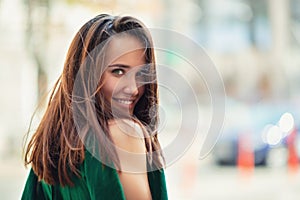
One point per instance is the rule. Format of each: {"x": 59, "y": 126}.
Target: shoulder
{"x": 130, "y": 127}
{"x": 127, "y": 135}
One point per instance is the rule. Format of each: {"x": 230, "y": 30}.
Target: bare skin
{"x": 128, "y": 139}
{"x": 126, "y": 56}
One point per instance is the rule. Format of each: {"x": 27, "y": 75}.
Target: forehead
{"x": 125, "y": 48}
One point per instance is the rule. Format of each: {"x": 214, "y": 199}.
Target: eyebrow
{"x": 120, "y": 65}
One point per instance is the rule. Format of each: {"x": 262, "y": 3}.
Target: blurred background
{"x": 255, "y": 45}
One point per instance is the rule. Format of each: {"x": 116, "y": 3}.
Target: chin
{"x": 122, "y": 113}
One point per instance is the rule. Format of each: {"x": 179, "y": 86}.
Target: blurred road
{"x": 12, "y": 179}
{"x": 187, "y": 179}
{"x": 210, "y": 182}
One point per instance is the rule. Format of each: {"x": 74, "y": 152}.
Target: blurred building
{"x": 254, "y": 43}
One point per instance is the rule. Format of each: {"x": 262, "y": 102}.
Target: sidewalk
{"x": 13, "y": 175}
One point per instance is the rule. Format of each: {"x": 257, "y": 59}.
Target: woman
{"x": 98, "y": 138}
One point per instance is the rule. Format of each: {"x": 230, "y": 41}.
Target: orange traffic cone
{"x": 245, "y": 159}
{"x": 292, "y": 153}
{"x": 189, "y": 176}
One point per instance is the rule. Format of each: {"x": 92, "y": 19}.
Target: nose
{"x": 130, "y": 86}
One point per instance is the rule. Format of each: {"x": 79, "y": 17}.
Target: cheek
{"x": 108, "y": 89}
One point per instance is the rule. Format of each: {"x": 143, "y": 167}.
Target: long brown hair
{"x": 58, "y": 146}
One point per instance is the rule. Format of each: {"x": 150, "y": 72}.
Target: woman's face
{"x": 121, "y": 79}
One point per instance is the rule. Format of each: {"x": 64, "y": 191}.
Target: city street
{"x": 12, "y": 179}
{"x": 245, "y": 48}
{"x": 210, "y": 182}
{"x": 193, "y": 180}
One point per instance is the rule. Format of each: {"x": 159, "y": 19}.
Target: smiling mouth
{"x": 124, "y": 101}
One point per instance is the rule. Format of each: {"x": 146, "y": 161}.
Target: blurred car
{"x": 260, "y": 130}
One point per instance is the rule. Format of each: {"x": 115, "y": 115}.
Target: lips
{"x": 124, "y": 101}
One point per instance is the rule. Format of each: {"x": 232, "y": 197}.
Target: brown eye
{"x": 118, "y": 72}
